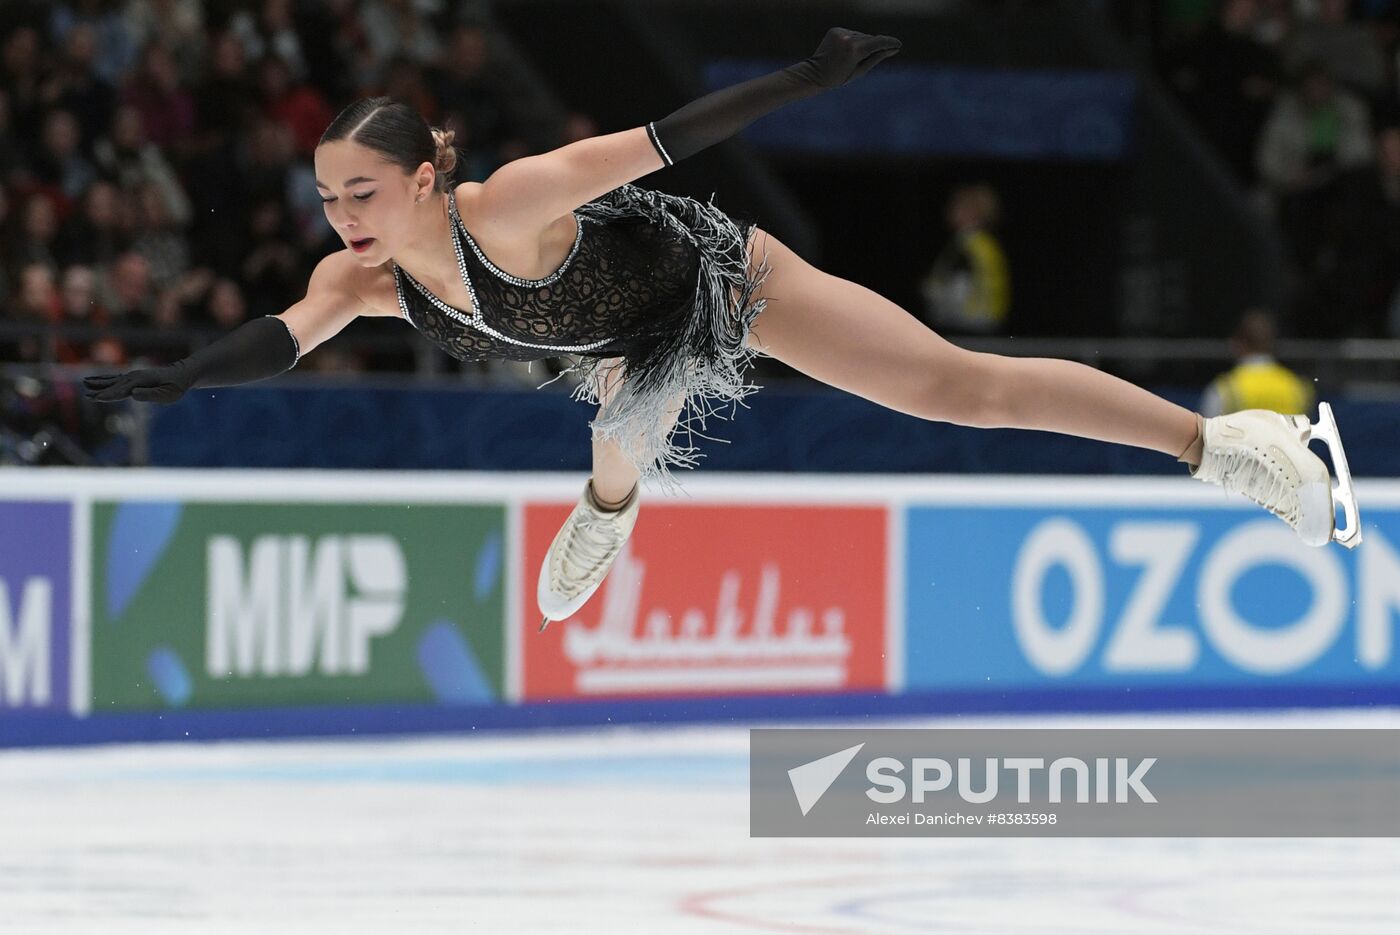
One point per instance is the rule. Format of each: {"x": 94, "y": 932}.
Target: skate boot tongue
{"x": 593, "y": 542}
{"x": 582, "y": 552}
{"x": 1240, "y": 473}
{"x": 1264, "y": 456}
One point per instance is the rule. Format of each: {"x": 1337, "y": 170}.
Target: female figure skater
{"x": 665, "y": 300}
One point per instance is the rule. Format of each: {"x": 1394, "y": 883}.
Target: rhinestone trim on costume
{"x": 475, "y": 320}
{"x": 513, "y": 280}
{"x": 403, "y": 303}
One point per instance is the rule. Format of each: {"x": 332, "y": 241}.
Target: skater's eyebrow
{"x": 348, "y": 182}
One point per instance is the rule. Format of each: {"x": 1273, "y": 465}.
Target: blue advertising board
{"x": 35, "y": 605}
{"x": 1142, "y": 597}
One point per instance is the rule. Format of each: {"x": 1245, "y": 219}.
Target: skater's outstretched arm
{"x": 529, "y": 194}
{"x": 255, "y": 350}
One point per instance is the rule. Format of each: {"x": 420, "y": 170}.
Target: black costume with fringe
{"x": 662, "y": 282}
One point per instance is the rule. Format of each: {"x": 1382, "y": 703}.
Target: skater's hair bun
{"x": 446, "y": 160}
{"x": 399, "y": 134}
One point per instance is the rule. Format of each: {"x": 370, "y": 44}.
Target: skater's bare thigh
{"x": 853, "y": 338}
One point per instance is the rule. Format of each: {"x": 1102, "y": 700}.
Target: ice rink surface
{"x": 613, "y": 831}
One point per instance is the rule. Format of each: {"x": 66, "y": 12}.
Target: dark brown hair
{"x": 399, "y": 134}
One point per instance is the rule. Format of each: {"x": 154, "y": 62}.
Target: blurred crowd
{"x": 156, "y": 185}
{"x": 156, "y": 182}
{"x": 1302, "y": 99}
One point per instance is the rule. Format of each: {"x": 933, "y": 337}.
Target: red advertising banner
{"x": 717, "y": 598}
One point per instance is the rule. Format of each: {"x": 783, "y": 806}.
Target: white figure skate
{"x": 1264, "y": 455}
{"x": 582, "y": 552}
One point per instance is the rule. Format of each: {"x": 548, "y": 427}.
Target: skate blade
{"x": 1342, "y": 492}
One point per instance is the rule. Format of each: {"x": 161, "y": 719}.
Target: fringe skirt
{"x": 695, "y": 362}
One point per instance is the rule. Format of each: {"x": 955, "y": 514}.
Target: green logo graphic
{"x": 214, "y": 605}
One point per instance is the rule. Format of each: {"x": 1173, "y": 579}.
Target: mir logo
{"x": 293, "y": 606}
{"x": 24, "y": 643}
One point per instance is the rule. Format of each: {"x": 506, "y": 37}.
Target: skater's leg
{"x": 852, "y": 338}
{"x": 614, "y": 476}
{"x": 594, "y": 533}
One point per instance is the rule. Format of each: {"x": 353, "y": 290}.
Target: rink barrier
{"x": 308, "y": 423}
{"x": 167, "y": 604}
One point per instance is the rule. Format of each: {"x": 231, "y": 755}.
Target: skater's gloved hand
{"x": 843, "y": 56}
{"x": 255, "y": 350}
{"x": 150, "y": 385}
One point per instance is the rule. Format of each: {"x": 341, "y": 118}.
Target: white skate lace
{"x": 591, "y": 544}
{"x": 1240, "y": 470}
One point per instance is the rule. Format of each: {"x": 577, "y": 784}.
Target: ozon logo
{"x": 1141, "y": 638}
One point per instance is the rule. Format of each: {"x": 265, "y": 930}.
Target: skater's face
{"x": 373, "y": 205}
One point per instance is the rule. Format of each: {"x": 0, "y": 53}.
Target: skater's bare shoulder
{"x": 339, "y": 291}
{"x": 371, "y": 288}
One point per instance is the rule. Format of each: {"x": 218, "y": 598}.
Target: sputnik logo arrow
{"x": 811, "y": 780}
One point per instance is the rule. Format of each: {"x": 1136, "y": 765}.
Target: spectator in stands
{"x": 270, "y": 167}
{"x": 80, "y": 306}
{"x": 78, "y": 294}
{"x": 347, "y": 41}
{"x": 1348, "y": 49}
{"x": 77, "y": 87}
{"x": 226, "y": 106}
{"x": 293, "y": 104}
{"x": 397, "y": 28}
{"x": 22, "y": 75}
{"x": 36, "y": 304}
{"x": 1312, "y": 134}
{"x": 36, "y": 239}
{"x": 1227, "y": 79}
{"x": 224, "y": 101}
{"x": 126, "y": 291}
{"x": 477, "y": 100}
{"x": 271, "y": 32}
{"x": 272, "y": 269}
{"x": 131, "y": 160}
{"x": 226, "y": 307}
{"x": 1257, "y": 381}
{"x": 59, "y": 161}
{"x": 167, "y": 312}
{"x": 115, "y": 50}
{"x": 165, "y": 106}
{"x": 968, "y": 290}
{"x": 405, "y": 80}
{"x": 159, "y": 238}
{"x": 99, "y": 230}
{"x": 178, "y": 25}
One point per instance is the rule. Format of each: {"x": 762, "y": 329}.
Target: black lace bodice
{"x": 622, "y": 280}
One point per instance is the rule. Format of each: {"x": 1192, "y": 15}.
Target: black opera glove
{"x": 255, "y": 350}
{"x": 151, "y": 385}
{"x": 843, "y": 56}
